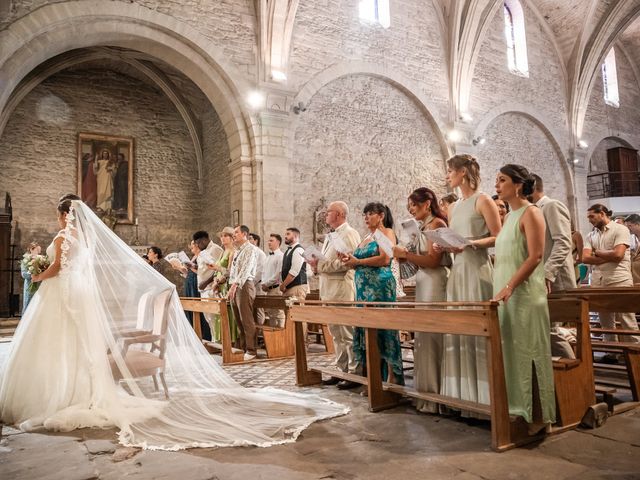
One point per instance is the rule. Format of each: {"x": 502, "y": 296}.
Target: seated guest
{"x": 242, "y": 289}
{"x": 606, "y": 248}
{"x": 33, "y": 250}
{"x": 375, "y": 283}
{"x": 503, "y": 207}
{"x": 220, "y": 285}
{"x": 519, "y": 284}
{"x": 271, "y": 277}
{"x": 632, "y": 222}
{"x": 163, "y": 267}
{"x": 446, "y": 201}
{"x": 559, "y": 271}
{"x": 431, "y": 286}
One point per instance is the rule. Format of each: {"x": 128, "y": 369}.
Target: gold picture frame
{"x": 105, "y": 175}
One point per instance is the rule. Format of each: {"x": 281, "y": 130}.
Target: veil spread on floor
{"x": 129, "y": 323}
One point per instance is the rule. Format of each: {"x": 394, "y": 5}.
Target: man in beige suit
{"x": 559, "y": 271}
{"x": 336, "y": 283}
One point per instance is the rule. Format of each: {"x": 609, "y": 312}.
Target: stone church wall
{"x": 38, "y": 152}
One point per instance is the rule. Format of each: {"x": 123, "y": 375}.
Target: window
{"x": 375, "y": 11}
{"x": 610, "y": 80}
{"x": 516, "y": 38}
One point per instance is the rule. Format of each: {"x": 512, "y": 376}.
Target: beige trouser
{"x": 343, "y": 345}
{"x": 243, "y": 310}
{"x": 259, "y": 312}
{"x": 299, "y": 292}
{"x": 627, "y": 320}
{"x": 275, "y": 317}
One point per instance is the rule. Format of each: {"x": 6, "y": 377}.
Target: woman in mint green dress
{"x": 524, "y": 315}
{"x": 375, "y": 283}
{"x": 221, "y": 286}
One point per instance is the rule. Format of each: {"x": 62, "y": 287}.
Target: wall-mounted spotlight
{"x": 256, "y": 99}
{"x": 454, "y": 136}
{"x": 582, "y": 144}
{"x": 300, "y": 107}
{"x": 479, "y": 141}
{"x": 278, "y": 76}
{"x": 576, "y": 161}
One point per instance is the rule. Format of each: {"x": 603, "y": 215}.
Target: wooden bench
{"x": 215, "y": 306}
{"x": 278, "y": 341}
{"x": 614, "y": 299}
{"x": 575, "y": 378}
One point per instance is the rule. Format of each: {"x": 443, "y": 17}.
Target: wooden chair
{"x": 147, "y": 363}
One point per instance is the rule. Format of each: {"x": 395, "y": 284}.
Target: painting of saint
{"x": 105, "y": 175}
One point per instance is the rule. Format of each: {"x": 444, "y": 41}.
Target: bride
{"x": 101, "y": 331}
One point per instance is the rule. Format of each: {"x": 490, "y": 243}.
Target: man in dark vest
{"x": 294, "y": 268}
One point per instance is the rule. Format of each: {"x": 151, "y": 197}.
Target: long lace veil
{"x": 117, "y": 296}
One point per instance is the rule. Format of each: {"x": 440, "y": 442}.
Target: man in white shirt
{"x": 606, "y": 247}
{"x": 254, "y": 239}
{"x": 271, "y": 277}
{"x": 632, "y": 222}
{"x": 294, "y": 267}
{"x": 242, "y": 289}
{"x": 207, "y": 253}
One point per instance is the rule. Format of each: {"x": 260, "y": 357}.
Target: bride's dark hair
{"x": 64, "y": 206}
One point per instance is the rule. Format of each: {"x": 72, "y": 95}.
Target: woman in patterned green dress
{"x": 519, "y": 283}
{"x": 375, "y": 283}
{"x": 220, "y": 285}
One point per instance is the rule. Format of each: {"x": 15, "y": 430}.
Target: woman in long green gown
{"x": 524, "y": 315}
{"x": 221, "y": 286}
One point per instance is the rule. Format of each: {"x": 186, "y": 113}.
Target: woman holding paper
{"x": 519, "y": 283}
{"x": 431, "y": 286}
{"x": 375, "y": 283}
{"x": 475, "y": 217}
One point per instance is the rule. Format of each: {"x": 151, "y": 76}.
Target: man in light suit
{"x": 559, "y": 271}
{"x": 336, "y": 283}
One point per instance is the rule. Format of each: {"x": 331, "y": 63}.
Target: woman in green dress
{"x": 220, "y": 284}
{"x": 375, "y": 283}
{"x": 519, "y": 285}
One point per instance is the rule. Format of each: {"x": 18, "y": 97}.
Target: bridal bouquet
{"x": 35, "y": 265}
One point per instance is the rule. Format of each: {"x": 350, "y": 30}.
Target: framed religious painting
{"x": 105, "y": 176}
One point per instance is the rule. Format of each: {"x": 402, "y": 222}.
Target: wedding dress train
{"x": 67, "y": 351}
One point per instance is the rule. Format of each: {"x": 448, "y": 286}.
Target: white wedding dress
{"x": 67, "y": 351}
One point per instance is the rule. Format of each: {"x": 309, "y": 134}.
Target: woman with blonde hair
{"x": 475, "y": 217}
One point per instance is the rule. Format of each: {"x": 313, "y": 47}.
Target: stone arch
{"x": 397, "y": 80}
{"x": 364, "y": 138}
{"x": 61, "y": 27}
{"x": 552, "y": 135}
{"x": 603, "y": 140}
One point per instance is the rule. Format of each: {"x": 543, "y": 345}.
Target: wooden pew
{"x": 216, "y": 306}
{"x": 615, "y": 299}
{"x": 278, "y": 342}
{"x": 458, "y": 318}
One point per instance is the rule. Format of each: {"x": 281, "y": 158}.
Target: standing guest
{"x": 431, "y": 286}
{"x": 336, "y": 284}
{"x": 519, "y": 283}
{"x": 632, "y": 222}
{"x": 375, "y": 283}
{"x": 606, "y": 248}
{"x": 254, "y": 238}
{"x": 208, "y": 253}
{"x": 189, "y": 272}
{"x": 220, "y": 285}
{"x": 164, "y": 268}
{"x": 242, "y": 290}
{"x": 33, "y": 249}
{"x": 446, "y": 201}
{"x": 577, "y": 245}
{"x": 271, "y": 277}
{"x": 294, "y": 268}
{"x": 559, "y": 272}
{"x": 475, "y": 216}
{"x": 503, "y": 207}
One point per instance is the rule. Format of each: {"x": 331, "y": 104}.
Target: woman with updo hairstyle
{"x": 374, "y": 282}
{"x": 519, "y": 284}
{"x": 431, "y": 286}
{"x": 475, "y": 217}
